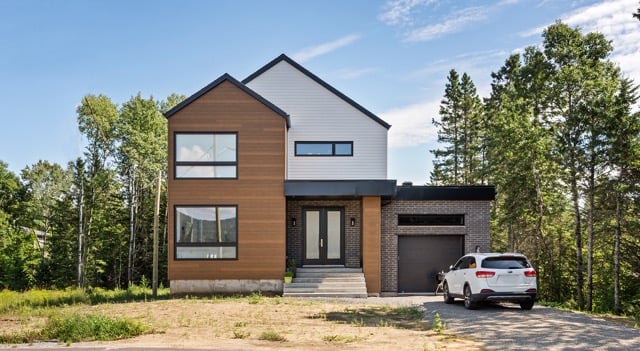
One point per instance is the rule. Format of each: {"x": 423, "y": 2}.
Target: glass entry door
{"x": 324, "y": 236}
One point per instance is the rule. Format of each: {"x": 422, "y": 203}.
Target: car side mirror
{"x": 451, "y": 268}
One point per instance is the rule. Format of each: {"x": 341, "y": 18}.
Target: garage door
{"x": 422, "y": 257}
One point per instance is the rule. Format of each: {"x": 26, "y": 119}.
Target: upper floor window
{"x": 206, "y": 232}
{"x": 206, "y": 155}
{"x": 431, "y": 219}
{"x": 324, "y": 148}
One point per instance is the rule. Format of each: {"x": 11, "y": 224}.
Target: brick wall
{"x": 295, "y": 238}
{"x": 475, "y": 230}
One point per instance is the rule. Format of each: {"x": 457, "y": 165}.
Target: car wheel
{"x": 526, "y": 305}
{"x": 468, "y": 303}
{"x": 447, "y": 295}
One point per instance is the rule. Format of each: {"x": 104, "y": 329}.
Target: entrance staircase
{"x": 326, "y": 281}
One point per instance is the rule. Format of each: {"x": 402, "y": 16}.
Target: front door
{"x": 324, "y": 236}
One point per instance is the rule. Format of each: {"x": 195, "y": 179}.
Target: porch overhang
{"x": 385, "y": 188}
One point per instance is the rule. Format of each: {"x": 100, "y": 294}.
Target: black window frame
{"x": 177, "y": 244}
{"x": 430, "y": 219}
{"x": 177, "y": 163}
{"x": 333, "y": 148}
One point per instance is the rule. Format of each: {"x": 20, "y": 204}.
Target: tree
{"x": 460, "y": 117}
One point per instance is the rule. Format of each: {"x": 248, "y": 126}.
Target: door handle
{"x": 321, "y": 242}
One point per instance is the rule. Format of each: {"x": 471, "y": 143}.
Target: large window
{"x": 206, "y": 155}
{"x": 431, "y": 219}
{"x": 206, "y": 232}
{"x": 324, "y": 148}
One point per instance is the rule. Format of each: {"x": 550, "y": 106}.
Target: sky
{"x": 390, "y": 56}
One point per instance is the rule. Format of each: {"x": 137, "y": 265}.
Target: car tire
{"x": 448, "y": 299}
{"x": 468, "y": 302}
{"x": 527, "y": 305}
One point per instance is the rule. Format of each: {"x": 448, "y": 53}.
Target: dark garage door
{"x": 422, "y": 257}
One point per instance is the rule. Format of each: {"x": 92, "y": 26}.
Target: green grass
{"x": 77, "y": 327}
{"x": 72, "y": 327}
{"x": 272, "y": 336}
{"x": 12, "y": 301}
{"x": 380, "y": 316}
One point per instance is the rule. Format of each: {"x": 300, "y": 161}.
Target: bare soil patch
{"x": 273, "y": 323}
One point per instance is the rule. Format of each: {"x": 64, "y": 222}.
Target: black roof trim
{"x": 326, "y": 85}
{"x": 469, "y": 192}
{"x": 215, "y": 83}
{"x": 340, "y": 188}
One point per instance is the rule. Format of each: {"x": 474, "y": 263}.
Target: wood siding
{"x": 371, "y": 250}
{"x": 258, "y": 191}
{"x": 319, "y": 115}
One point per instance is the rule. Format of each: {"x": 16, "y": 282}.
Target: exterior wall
{"x": 295, "y": 240}
{"x": 371, "y": 252}
{"x": 475, "y": 230}
{"x": 258, "y": 192}
{"x": 319, "y": 115}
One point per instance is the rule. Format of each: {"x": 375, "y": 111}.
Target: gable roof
{"x": 215, "y": 83}
{"x": 315, "y": 78}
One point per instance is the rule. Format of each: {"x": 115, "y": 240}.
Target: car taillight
{"x": 485, "y": 274}
{"x": 531, "y": 290}
{"x": 530, "y": 274}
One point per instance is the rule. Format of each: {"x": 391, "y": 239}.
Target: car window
{"x": 460, "y": 264}
{"x": 505, "y": 262}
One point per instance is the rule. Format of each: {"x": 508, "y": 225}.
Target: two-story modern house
{"x": 281, "y": 166}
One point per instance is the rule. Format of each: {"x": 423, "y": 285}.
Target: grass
{"x": 72, "y": 327}
{"x": 11, "y": 301}
{"x": 272, "y": 336}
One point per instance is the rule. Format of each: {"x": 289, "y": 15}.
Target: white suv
{"x": 491, "y": 277}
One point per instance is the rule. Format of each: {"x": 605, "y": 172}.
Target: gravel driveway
{"x": 507, "y": 327}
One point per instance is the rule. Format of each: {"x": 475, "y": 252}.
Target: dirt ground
{"x": 286, "y": 323}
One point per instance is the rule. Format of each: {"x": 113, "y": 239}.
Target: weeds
{"x": 340, "y": 338}
{"x": 438, "y": 324}
{"x": 272, "y": 336}
{"x": 240, "y": 334}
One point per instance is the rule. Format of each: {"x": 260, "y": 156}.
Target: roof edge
{"x": 237, "y": 83}
{"x": 315, "y": 78}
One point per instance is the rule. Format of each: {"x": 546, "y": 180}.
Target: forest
{"x": 558, "y": 135}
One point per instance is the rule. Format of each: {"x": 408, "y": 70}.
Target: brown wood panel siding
{"x": 371, "y": 232}
{"x": 258, "y": 192}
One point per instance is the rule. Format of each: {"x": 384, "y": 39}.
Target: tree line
{"x": 559, "y": 137}
{"x": 94, "y": 216}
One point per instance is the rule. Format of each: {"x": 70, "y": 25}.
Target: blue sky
{"x": 392, "y": 57}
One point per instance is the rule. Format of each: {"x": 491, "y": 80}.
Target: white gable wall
{"x": 319, "y": 115}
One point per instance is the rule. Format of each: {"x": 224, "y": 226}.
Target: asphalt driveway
{"x": 507, "y": 327}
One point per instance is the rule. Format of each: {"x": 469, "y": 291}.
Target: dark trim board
{"x": 470, "y": 193}
{"x": 339, "y": 188}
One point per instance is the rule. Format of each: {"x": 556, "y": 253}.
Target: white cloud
{"x": 399, "y": 12}
{"x": 412, "y": 125}
{"x": 349, "y": 73}
{"x": 456, "y": 22}
{"x": 325, "y": 48}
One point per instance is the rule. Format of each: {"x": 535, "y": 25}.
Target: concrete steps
{"x": 327, "y": 282}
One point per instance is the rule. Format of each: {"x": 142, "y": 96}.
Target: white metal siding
{"x": 319, "y": 115}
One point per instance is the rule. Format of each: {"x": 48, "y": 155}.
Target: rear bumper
{"x": 504, "y": 296}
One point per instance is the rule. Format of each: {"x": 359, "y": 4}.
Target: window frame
{"x": 177, "y": 163}
{"x": 177, "y": 244}
{"x": 333, "y": 148}
{"x": 451, "y": 216}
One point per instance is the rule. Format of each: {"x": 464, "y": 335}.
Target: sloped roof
{"x": 315, "y": 78}
{"x": 215, "y": 83}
